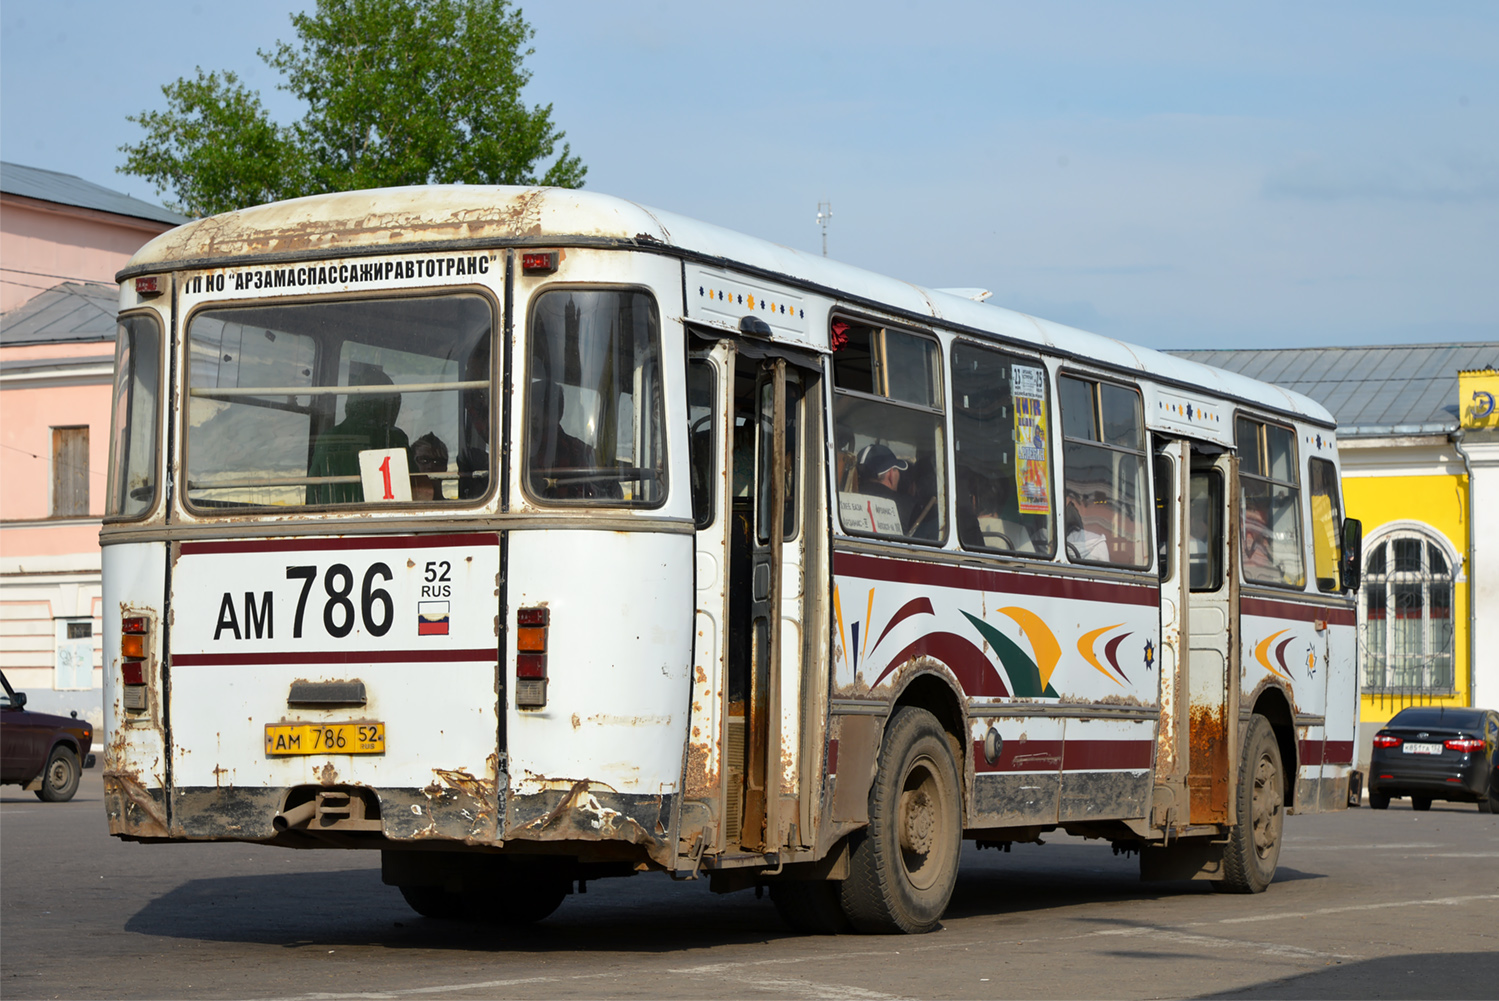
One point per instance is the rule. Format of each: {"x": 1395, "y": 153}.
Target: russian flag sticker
{"x": 432, "y": 618}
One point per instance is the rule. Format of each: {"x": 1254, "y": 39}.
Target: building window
{"x": 69, "y": 472}
{"x": 1406, "y": 608}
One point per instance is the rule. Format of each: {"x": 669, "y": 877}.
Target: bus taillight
{"x": 531, "y": 657}
{"x": 135, "y": 631}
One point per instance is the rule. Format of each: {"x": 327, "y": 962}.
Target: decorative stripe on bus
{"x": 1296, "y": 610}
{"x": 1067, "y": 756}
{"x": 1008, "y": 582}
{"x": 343, "y": 542}
{"x": 1325, "y": 752}
{"x": 269, "y": 659}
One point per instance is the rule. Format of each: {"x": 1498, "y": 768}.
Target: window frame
{"x": 1146, "y": 511}
{"x": 520, "y": 381}
{"x": 1049, "y": 405}
{"x": 1298, "y": 486}
{"x": 938, "y": 387}
{"x": 164, "y": 399}
{"x": 1429, "y": 539}
{"x": 181, "y": 391}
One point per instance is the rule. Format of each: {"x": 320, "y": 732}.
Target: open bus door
{"x": 750, "y": 723}
{"x": 1197, "y": 747}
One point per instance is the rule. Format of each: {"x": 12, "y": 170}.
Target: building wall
{"x": 1421, "y": 481}
{"x": 42, "y": 244}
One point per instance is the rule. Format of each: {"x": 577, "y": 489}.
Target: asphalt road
{"x": 1366, "y": 905}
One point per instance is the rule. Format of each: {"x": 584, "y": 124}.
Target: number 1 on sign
{"x": 385, "y": 472}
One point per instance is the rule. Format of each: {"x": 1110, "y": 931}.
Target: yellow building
{"x": 1418, "y": 433}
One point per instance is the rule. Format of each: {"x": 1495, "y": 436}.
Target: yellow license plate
{"x": 326, "y": 738}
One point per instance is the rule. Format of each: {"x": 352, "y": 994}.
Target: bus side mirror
{"x": 1353, "y": 553}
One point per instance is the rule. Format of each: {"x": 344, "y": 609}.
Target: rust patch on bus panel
{"x": 132, "y": 809}
{"x": 591, "y": 812}
{"x": 701, "y": 778}
{"x": 1207, "y": 780}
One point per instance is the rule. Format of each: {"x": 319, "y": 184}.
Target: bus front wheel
{"x": 903, "y": 866}
{"x": 1253, "y": 849}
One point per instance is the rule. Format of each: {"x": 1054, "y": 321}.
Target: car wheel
{"x": 1420, "y": 802}
{"x": 903, "y": 866}
{"x": 811, "y": 907}
{"x": 60, "y": 778}
{"x": 1253, "y": 849}
{"x": 1378, "y": 801}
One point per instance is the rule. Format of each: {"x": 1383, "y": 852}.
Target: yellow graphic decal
{"x": 868, "y": 619}
{"x": 1085, "y": 647}
{"x": 838, "y": 611}
{"x": 1262, "y": 653}
{"x": 1043, "y": 641}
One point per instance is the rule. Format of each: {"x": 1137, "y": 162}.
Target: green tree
{"x": 397, "y": 92}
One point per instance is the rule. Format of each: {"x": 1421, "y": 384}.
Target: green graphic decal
{"x": 1025, "y": 676}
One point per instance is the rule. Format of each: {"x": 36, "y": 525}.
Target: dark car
{"x": 1436, "y": 752}
{"x": 44, "y": 753}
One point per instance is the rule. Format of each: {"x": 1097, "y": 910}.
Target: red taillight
{"x": 1464, "y": 744}
{"x": 148, "y": 286}
{"x": 531, "y": 657}
{"x": 1386, "y": 740}
{"x": 135, "y": 631}
{"x": 538, "y": 262}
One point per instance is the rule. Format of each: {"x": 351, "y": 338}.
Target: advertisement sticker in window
{"x": 1031, "y": 480}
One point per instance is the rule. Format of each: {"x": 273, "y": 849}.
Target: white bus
{"x": 531, "y": 536}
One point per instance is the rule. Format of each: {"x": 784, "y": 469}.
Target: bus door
{"x": 1212, "y": 630}
{"x": 759, "y": 539}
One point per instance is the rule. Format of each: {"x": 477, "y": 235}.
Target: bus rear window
{"x": 339, "y": 403}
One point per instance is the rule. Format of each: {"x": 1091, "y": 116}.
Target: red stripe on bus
{"x": 345, "y": 542}
{"x": 332, "y": 657}
{"x": 1069, "y": 756}
{"x": 1296, "y": 610}
{"x": 1326, "y": 752}
{"x": 974, "y": 579}
{"x": 1090, "y": 755}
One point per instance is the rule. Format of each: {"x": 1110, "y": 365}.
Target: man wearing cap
{"x": 879, "y": 476}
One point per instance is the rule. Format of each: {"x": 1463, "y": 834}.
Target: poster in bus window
{"x": 1032, "y": 484}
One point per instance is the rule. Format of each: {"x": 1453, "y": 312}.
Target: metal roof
{"x": 70, "y": 312}
{"x": 1395, "y": 389}
{"x": 65, "y": 189}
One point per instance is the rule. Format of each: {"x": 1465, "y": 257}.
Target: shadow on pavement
{"x": 1418, "y": 975}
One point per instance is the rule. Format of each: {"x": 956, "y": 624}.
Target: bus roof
{"x": 377, "y": 220}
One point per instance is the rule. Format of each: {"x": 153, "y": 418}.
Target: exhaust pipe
{"x": 297, "y": 816}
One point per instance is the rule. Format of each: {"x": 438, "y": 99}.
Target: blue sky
{"x": 1175, "y": 174}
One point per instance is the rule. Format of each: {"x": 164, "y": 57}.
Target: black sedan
{"x": 1436, "y": 752}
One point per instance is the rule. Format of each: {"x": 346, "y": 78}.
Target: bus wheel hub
{"x": 918, "y": 817}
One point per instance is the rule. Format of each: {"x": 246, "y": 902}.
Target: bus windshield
{"x": 339, "y": 403}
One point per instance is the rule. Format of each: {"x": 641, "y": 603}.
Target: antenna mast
{"x": 824, "y": 213}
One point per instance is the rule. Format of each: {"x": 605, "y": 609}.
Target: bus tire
{"x": 811, "y": 907}
{"x": 435, "y": 902}
{"x": 60, "y": 777}
{"x": 903, "y": 866}
{"x": 1253, "y": 849}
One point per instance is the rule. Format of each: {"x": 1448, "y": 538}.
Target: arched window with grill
{"x": 1406, "y": 611}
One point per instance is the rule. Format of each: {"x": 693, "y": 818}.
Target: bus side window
{"x": 1000, "y": 437}
{"x": 1269, "y": 504}
{"x": 1327, "y": 525}
{"x": 702, "y": 436}
{"x": 1105, "y": 519}
{"x": 1205, "y": 531}
{"x": 887, "y": 410}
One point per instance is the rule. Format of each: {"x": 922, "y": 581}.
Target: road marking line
{"x": 785, "y": 961}
{"x": 400, "y": 992}
{"x": 1428, "y": 902}
{"x": 810, "y": 989}
{"x": 1215, "y": 942}
{"x": 1348, "y": 848}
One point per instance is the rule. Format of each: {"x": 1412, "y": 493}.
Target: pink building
{"x": 61, "y": 241}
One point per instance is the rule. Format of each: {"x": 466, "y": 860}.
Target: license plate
{"x": 1410, "y": 748}
{"x": 326, "y": 738}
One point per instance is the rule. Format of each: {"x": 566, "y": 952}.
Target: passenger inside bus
{"x": 879, "y": 476}
{"x": 428, "y": 455}
{"x": 1082, "y": 542}
{"x": 369, "y": 423}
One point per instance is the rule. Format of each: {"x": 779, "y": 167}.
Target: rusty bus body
{"x": 643, "y": 597}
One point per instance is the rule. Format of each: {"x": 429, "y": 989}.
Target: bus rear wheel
{"x": 1253, "y": 849}
{"x": 903, "y": 866}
